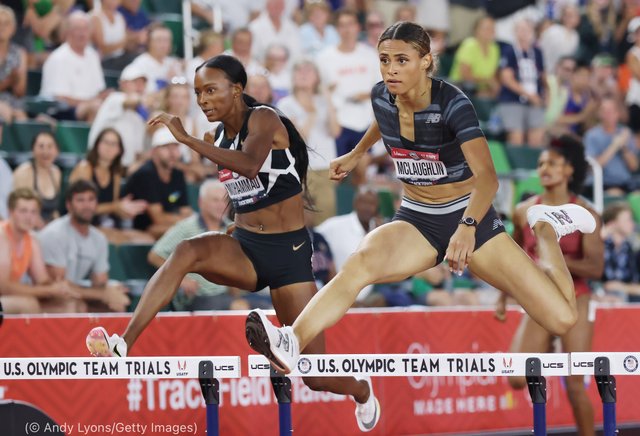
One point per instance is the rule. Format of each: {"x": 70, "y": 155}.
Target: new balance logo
{"x": 497, "y": 223}
{"x": 284, "y": 340}
{"x": 560, "y": 217}
{"x": 433, "y": 118}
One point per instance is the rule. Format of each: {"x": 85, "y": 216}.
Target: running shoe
{"x": 564, "y": 219}
{"x": 278, "y": 344}
{"x": 368, "y": 413}
{"x": 101, "y": 345}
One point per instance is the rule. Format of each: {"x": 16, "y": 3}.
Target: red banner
{"x": 409, "y": 405}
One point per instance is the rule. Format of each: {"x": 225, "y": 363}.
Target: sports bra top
{"x": 48, "y": 205}
{"x": 276, "y": 181}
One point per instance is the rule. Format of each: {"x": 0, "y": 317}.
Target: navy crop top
{"x": 435, "y": 157}
{"x": 277, "y": 179}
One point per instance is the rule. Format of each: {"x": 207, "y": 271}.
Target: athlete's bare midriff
{"x": 438, "y": 193}
{"x": 284, "y": 216}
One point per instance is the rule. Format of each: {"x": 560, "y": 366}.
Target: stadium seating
{"x": 634, "y": 202}
{"x": 500, "y": 158}
{"x": 523, "y": 157}
{"x": 73, "y": 136}
{"x": 34, "y": 81}
{"x": 18, "y": 135}
{"x": 174, "y": 22}
{"x": 134, "y": 259}
{"x": 530, "y": 185}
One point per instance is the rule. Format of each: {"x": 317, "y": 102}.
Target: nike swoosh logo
{"x": 115, "y": 351}
{"x": 297, "y": 247}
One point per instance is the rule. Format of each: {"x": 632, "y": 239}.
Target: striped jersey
{"x": 435, "y": 157}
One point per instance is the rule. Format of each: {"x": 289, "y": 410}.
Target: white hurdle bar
{"x": 620, "y": 363}
{"x": 207, "y": 369}
{"x": 31, "y": 368}
{"x": 402, "y": 365}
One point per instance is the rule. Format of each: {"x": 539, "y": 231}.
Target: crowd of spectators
{"x": 532, "y": 68}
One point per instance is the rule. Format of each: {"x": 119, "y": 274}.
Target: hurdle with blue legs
{"x": 534, "y": 367}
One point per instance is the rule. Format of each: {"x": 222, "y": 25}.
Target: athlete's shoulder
{"x": 449, "y": 91}
{"x": 379, "y": 89}
{"x": 265, "y": 115}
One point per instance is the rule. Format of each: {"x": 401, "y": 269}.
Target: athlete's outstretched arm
{"x": 263, "y": 125}
{"x": 340, "y": 167}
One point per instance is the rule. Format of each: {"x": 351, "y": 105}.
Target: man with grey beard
{"x": 76, "y": 251}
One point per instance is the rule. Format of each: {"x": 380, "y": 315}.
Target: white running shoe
{"x": 368, "y": 414}
{"x": 279, "y": 345}
{"x": 101, "y": 345}
{"x": 564, "y": 219}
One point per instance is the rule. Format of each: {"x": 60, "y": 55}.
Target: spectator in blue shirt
{"x": 613, "y": 146}
{"x": 137, "y": 25}
{"x": 620, "y": 278}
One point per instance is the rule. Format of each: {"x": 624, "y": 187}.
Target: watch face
{"x": 468, "y": 221}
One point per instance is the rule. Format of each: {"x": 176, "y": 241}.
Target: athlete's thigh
{"x": 221, "y": 260}
{"x": 393, "y": 252}
{"x": 505, "y": 266}
{"x": 288, "y": 302}
{"x": 579, "y": 337}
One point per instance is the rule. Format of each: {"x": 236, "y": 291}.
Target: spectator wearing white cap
{"x": 162, "y": 185}
{"x": 126, "y": 111}
{"x": 633, "y": 62}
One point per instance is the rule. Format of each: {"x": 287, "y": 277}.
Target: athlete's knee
{"x": 563, "y": 321}
{"x": 186, "y": 252}
{"x": 517, "y": 382}
{"x": 359, "y": 264}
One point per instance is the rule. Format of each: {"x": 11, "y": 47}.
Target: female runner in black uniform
{"x": 263, "y": 163}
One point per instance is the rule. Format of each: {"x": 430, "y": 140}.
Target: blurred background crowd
{"x": 93, "y": 201}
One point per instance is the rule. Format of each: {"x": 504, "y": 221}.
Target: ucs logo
{"x": 260, "y": 366}
{"x": 630, "y": 363}
{"x": 582, "y": 364}
{"x": 555, "y": 365}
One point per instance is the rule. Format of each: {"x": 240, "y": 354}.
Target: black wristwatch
{"x": 468, "y": 221}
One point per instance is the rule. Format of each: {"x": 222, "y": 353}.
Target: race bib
{"x": 242, "y": 191}
{"x": 418, "y": 167}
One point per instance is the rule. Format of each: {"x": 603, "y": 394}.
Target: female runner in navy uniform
{"x": 431, "y": 131}
{"x": 263, "y": 162}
